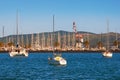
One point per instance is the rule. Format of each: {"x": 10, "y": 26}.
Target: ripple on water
{"x": 80, "y": 67}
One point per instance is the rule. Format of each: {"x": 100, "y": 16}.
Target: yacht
{"x": 18, "y": 50}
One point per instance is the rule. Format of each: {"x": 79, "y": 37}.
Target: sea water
{"x": 80, "y": 66}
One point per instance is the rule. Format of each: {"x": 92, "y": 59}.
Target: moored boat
{"x": 17, "y": 50}
{"x": 107, "y": 53}
{"x": 57, "y": 58}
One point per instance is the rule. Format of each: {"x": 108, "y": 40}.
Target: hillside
{"x": 28, "y": 39}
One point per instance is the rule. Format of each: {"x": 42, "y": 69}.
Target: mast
{"x": 64, "y": 41}
{"x": 3, "y": 31}
{"x": 53, "y": 35}
{"x": 37, "y": 44}
{"x": 73, "y": 40}
{"x": 116, "y": 36}
{"x": 59, "y": 40}
{"x": 107, "y": 34}
{"x": 68, "y": 42}
{"x": 43, "y": 38}
{"x": 48, "y": 40}
{"x": 17, "y": 27}
{"x": 116, "y": 39}
{"x": 22, "y": 40}
{"x": 27, "y": 42}
{"x": 51, "y": 40}
{"x": 32, "y": 39}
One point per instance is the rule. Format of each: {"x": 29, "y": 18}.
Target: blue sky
{"x": 36, "y": 15}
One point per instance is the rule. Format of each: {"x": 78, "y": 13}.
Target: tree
{"x": 1, "y": 44}
{"x": 99, "y": 44}
{"x": 10, "y": 44}
{"x": 56, "y": 44}
{"x": 115, "y": 43}
{"x": 86, "y": 44}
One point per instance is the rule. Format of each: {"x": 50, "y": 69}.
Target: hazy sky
{"x": 36, "y": 15}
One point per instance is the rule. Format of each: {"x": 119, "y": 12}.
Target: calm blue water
{"x": 84, "y": 66}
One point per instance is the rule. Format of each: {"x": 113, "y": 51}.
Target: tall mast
{"x": 53, "y": 34}
{"x": 17, "y": 27}
{"x": 107, "y": 34}
{"x": 53, "y": 24}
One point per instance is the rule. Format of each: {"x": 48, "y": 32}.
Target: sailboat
{"x": 18, "y": 50}
{"x": 107, "y": 53}
{"x": 57, "y": 58}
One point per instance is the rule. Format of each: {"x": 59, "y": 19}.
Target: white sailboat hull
{"x": 63, "y": 62}
{"x": 19, "y": 53}
{"x": 107, "y": 54}
{"x": 54, "y": 61}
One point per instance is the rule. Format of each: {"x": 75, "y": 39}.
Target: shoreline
{"x": 67, "y": 51}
